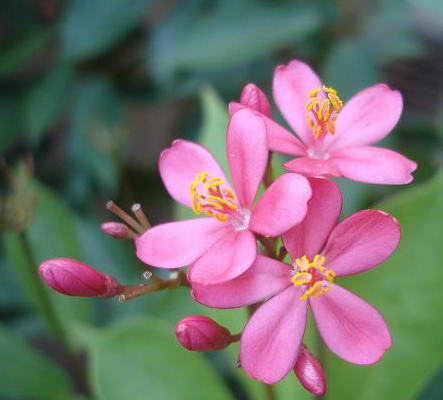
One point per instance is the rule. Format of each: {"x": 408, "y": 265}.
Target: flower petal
{"x": 324, "y": 207}
{"x": 352, "y": 328}
{"x": 247, "y": 153}
{"x": 271, "y": 339}
{"x": 366, "y": 118}
{"x": 265, "y": 278}
{"x": 374, "y": 165}
{"x": 312, "y": 167}
{"x": 280, "y": 139}
{"x": 252, "y": 96}
{"x": 281, "y": 206}
{"x": 180, "y": 164}
{"x": 361, "y": 242}
{"x": 291, "y": 86}
{"x": 177, "y": 244}
{"x": 226, "y": 259}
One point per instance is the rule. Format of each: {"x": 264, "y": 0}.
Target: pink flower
{"x": 74, "y": 278}
{"x": 223, "y": 245}
{"x": 334, "y": 140}
{"x": 321, "y": 251}
{"x": 200, "y": 333}
{"x": 310, "y": 372}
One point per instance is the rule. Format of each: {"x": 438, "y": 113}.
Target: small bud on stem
{"x": 73, "y": 278}
{"x": 117, "y": 230}
{"x": 310, "y": 372}
{"x": 200, "y": 333}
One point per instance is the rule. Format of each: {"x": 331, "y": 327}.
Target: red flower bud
{"x": 254, "y": 97}
{"x": 74, "y": 278}
{"x": 117, "y": 230}
{"x": 200, "y": 333}
{"x": 310, "y": 372}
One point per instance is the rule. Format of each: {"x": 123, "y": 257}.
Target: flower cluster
{"x": 279, "y": 253}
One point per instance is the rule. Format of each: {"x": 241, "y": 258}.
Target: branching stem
{"x": 155, "y": 284}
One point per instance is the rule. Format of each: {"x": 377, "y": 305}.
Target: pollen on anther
{"x": 210, "y": 197}
{"x": 312, "y": 276}
{"x": 322, "y": 111}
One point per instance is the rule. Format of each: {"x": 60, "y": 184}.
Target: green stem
{"x": 269, "y": 245}
{"x": 155, "y": 284}
{"x": 268, "y": 178}
{"x": 270, "y": 392}
{"x": 41, "y": 298}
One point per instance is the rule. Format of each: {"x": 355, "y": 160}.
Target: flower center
{"x": 208, "y": 196}
{"x": 321, "y": 114}
{"x": 313, "y": 276}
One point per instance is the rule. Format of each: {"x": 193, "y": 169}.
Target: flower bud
{"x": 117, "y": 230}
{"x": 254, "y": 97}
{"x": 200, "y": 333}
{"x": 74, "y": 278}
{"x": 310, "y": 372}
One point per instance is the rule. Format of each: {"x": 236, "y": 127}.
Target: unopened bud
{"x": 74, "y": 278}
{"x": 117, "y": 230}
{"x": 310, "y": 372}
{"x": 200, "y": 333}
{"x": 253, "y": 97}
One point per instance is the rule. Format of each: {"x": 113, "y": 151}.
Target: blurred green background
{"x": 92, "y": 90}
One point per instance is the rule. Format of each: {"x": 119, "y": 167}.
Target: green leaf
{"x": 432, "y": 7}
{"x": 228, "y": 34}
{"x": 89, "y": 28}
{"x": 140, "y": 359}
{"x": 407, "y": 291}
{"x": 51, "y": 234}
{"x": 11, "y": 295}
{"x": 392, "y": 31}
{"x": 434, "y": 388}
{"x": 17, "y": 51}
{"x": 10, "y": 119}
{"x": 45, "y": 101}
{"x": 97, "y": 138}
{"x": 25, "y": 373}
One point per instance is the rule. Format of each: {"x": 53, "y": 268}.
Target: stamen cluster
{"x": 321, "y": 114}
{"x": 313, "y": 276}
{"x": 214, "y": 200}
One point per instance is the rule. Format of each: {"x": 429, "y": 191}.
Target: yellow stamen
{"x": 301, "y": 278}
{"x": 313, "y": 93}
{"x": 208, "y": 196}
{"x": 313, "y": 275}
{"x": 314, "y": 291}
{"x": 329, "y": 275}
{"x": 321, "y": 114}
